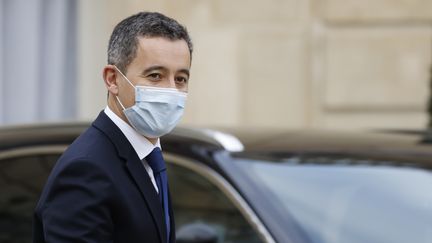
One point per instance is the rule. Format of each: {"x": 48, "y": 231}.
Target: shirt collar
{"x": 141, "y": 144}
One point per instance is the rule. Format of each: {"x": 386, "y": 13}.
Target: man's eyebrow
{"x": 185, "y": 71}
{"x": 153, "y": 68}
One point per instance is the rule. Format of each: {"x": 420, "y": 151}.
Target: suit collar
{"x": 115, "y": 135}
{"x": 141, "y": 144}
{"x": 135, "y": 169}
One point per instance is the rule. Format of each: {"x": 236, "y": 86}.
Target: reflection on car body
{"x": 270, "y": 186}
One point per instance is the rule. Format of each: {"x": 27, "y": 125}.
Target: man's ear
{"x": 110, "y": 79}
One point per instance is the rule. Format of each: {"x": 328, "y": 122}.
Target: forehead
{"x": 163, "y": 51}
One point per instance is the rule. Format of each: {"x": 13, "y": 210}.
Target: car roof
{"x": 64, "y": 133}
{"x": 394, "y": 145}
{"x": 381, "y": 144}
{"x": 321, "y": 139}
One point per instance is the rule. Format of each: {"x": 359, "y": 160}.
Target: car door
{"x": 201, "y": 197}
{"x": 204, "y": 200}
{"x": 23, "y": 172}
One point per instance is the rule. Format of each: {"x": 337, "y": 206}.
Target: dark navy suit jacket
{"x": 99, "y": 191}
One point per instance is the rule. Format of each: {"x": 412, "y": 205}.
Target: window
{"x": 38, "y": 59}
{"x": 21, "y": 182}
{"x": 197, "y": 200}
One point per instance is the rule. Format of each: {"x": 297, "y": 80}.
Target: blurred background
{"x": 295, "y": 64}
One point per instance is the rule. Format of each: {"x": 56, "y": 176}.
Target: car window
{"x": 197, "y": 200}
{"x": 337, "y": 200}
{"x": 21, "y": 182}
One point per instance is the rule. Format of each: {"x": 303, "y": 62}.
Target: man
{"x": 110, "y": 185}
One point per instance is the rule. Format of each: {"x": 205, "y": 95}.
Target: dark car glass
{"x": 198, "y": 201}
{"x": 21, "y": 182}
{"x": 339, "y": 200}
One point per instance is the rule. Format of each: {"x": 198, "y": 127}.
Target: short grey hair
{"x": 123, "y": 43}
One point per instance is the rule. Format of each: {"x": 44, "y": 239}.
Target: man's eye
{"x": 155, "y": 76}
{"x": 181, "y": 80}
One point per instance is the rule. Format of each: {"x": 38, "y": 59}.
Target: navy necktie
{"x": 157, "y": 163}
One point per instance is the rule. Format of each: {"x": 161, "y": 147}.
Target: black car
{"x": 255, "y": 186}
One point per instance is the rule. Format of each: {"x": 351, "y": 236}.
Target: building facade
{"x": 295, "y": 64}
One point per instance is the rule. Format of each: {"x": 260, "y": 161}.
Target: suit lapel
{"x": 136, "y": 169}
{"x": 142, "y": 180}
{"x": 172, "y": 232}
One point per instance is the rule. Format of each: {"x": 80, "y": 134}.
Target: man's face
{"x": 159, "y": 62}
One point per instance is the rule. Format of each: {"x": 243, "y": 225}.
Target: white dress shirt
{"x": 141, "y": 145}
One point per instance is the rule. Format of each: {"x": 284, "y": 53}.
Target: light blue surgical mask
{"x": 156, "y": 110}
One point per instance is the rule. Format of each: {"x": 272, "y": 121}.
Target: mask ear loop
{"x": 127, "y": 81}
{"x": 118, "y": 70}
{"x": 120, "y": 102}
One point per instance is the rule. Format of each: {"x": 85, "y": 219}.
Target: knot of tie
{"x": 156, "y": 161}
